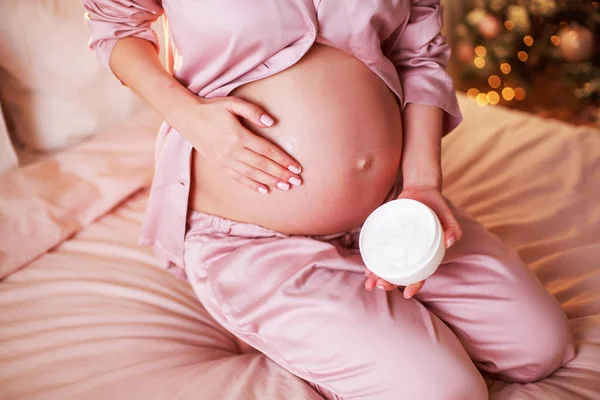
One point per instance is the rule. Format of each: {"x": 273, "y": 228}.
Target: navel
{"x": 365, "y": 162}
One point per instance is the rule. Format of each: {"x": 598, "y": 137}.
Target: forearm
{"x": 135, "y": 62}
{"x": 421, "y": 163}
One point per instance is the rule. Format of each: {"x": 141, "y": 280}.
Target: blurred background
{"x": 540, "y": 56}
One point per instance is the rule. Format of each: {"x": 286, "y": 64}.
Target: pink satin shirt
{"x": 219, "y": 45}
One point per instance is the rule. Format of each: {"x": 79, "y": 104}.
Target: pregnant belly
{"x": 341, "y": 123}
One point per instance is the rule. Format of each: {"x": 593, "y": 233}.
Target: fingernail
{"x": 379, "y": 285}
{"x": 295, "y": 181}
{"x": 263, "y": 190}
{"x": 450, "y": 241}
{"x": 407, "y": 294}
{"x": 266, "y": 120}
{"x": 295, "y": 169}
{"x": 283, "y": 185}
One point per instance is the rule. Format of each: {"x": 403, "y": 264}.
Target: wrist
{"x": 435, "y": 184}
{"x": 422, "y": 172}
{"x": 421, "y": 154}
{"x": 178, "y": 105}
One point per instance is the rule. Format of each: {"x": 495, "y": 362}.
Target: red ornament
{"x": 464, "y": 52}
{"x": 489, "y": 26}
{"x": 576, "y": 43}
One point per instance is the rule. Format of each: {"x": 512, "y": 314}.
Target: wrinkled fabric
{"x": 219, "y": 45}
{"x": 43, "y": 203}
{"x": 99, "y": 296}
{"x": 302, "y": 302}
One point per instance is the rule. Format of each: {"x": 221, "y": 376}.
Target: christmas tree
{"x": 509, "y": 43}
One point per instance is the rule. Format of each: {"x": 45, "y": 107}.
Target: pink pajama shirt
{"x": 219, "y": 45}
{"x": 301, "y": 300}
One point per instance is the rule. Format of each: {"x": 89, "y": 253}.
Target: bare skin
{"x": 348, "y": 139}
{"x": 335, "y": 137}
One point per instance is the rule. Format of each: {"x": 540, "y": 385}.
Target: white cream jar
{"x": 402, "y": 242}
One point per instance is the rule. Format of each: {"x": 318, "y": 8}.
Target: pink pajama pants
{"x": 301, "y": 301}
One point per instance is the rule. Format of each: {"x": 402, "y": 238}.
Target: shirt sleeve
{"x": 112, "y": 20}
{"x": 420, "y": 54}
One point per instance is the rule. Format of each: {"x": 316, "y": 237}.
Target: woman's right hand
{"x": 213, "y": 128}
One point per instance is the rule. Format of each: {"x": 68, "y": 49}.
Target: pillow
{"x": 43, "y": 203}
{"x": 8, "y": 158}
{"x": 53, "y": 89}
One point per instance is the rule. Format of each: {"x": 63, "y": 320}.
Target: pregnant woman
{"x": 286, "y": 124}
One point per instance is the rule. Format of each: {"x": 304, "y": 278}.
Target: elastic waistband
{"x": 200, "y": 223}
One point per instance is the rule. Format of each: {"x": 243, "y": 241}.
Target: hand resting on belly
{"x": 340, "y": 122}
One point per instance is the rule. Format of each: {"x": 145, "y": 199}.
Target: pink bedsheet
{"x": 92, "y": 316}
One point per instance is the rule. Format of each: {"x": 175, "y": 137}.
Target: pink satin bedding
{"x": 96, "y": 318}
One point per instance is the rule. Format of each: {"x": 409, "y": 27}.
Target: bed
{"x": 89, "y": 314}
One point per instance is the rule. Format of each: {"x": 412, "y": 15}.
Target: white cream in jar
{"x": 402, "y": 242}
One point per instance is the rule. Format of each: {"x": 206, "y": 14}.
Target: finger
{"x": 370, "y": 282}
{"x": 250, "y": 112}
{"x": 244, "y": 180}
{"x": 411, "y": 290}
{"x": 450, "y": 237}
{"x": 368, "y": 272}
{"x": 276, "y": 172}
{"x": 385, "y": 285}
{"x": 259, "y": 176}
{"x": 452, "y": 231}
{"x": 269, "y": 150}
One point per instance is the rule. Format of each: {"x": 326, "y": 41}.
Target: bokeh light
{"x": 519, "y": 93}
{"x": 528, "y": 40}
{"x": 555, "y": 40}
{"x": 494, "y": 81}
{"x": 493, "y": 97}
{"x": 509, "y": 25}
{"x": 479, "y": 62}
{"x": 480, "y": 51}
{"x": 508, "y": 93}
{"x": 523, "y": 56}
{"x": 505, "y": 68}
{"x": 472, "y": 93}
{"x": 481, "y": 100}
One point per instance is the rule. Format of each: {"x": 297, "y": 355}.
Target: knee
{"x": 543, "y": 352}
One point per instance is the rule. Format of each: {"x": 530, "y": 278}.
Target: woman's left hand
{"x": 432, "y": 197}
